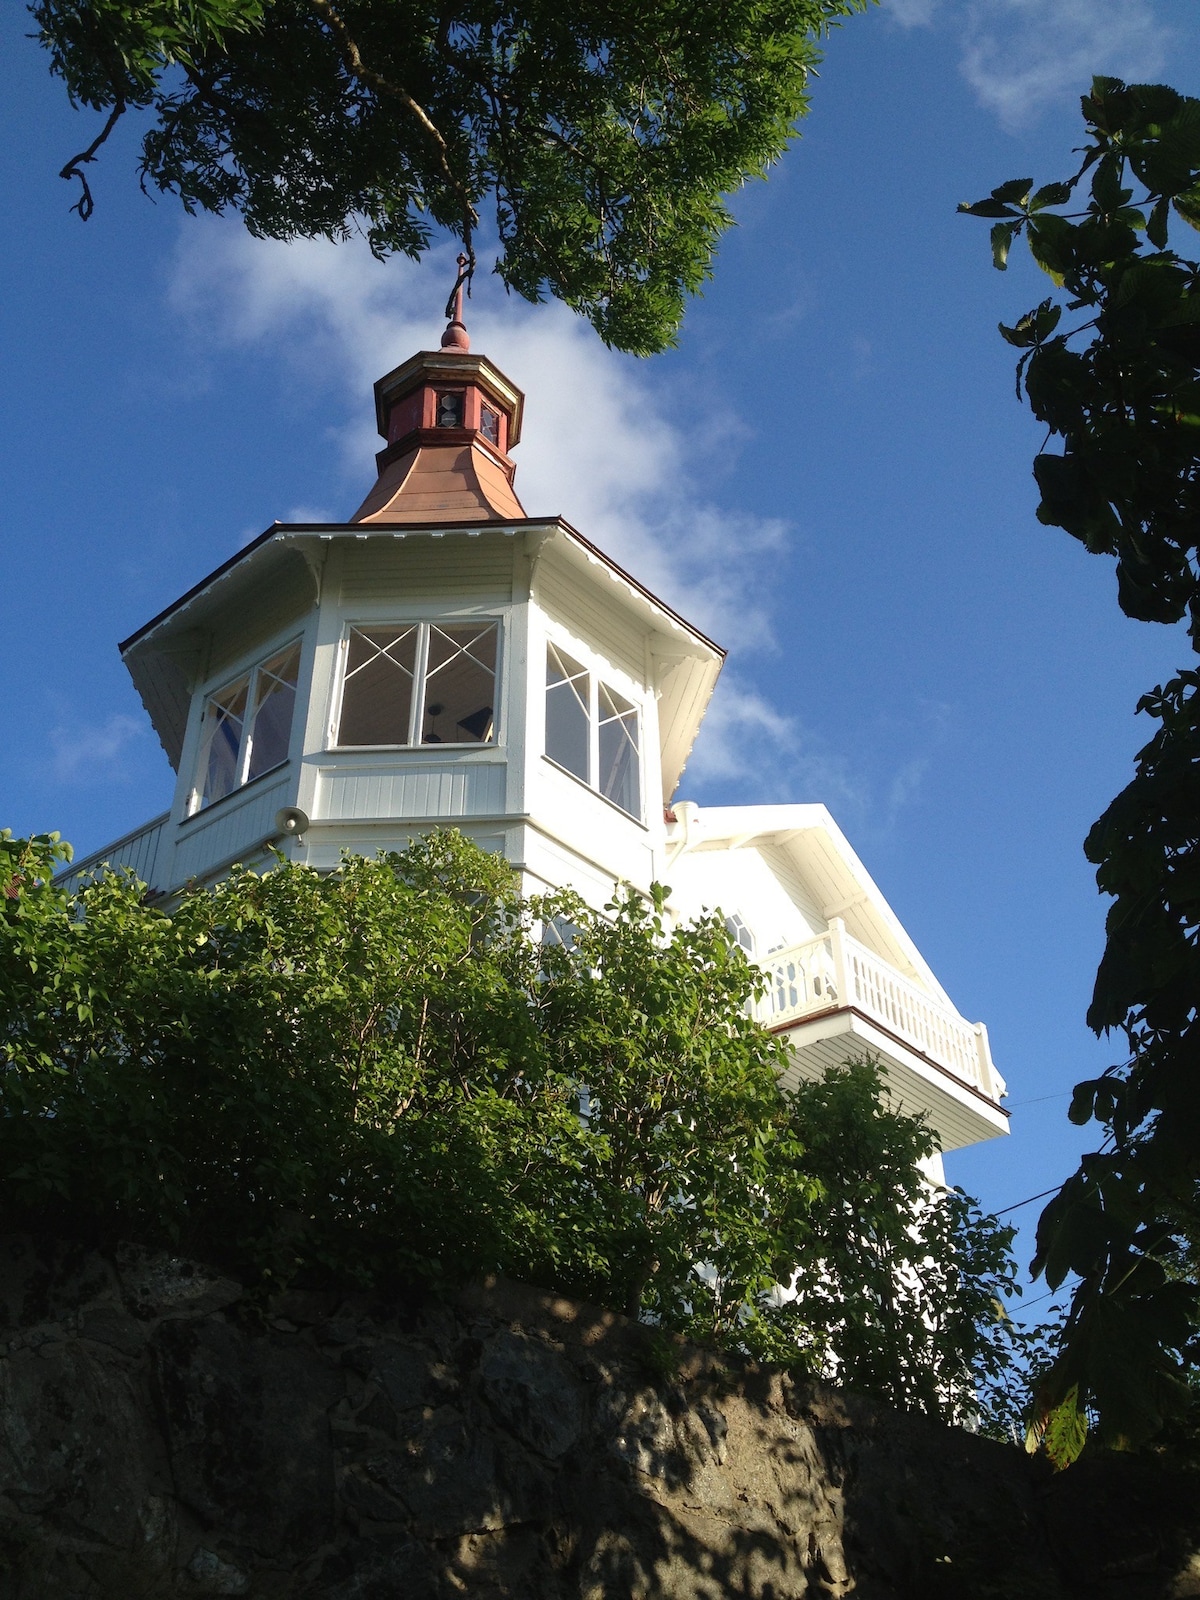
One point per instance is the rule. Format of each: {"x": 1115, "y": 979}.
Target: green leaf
{"x": 1065, "y": 1430}
{"x": 1156, "y": 224}
{"x": 1083, "y": 1102}
{"x": 1187, "y": 205}
{"x": 1052, "y": 243}
{"x": 1034, "y": 327}
{"x": 1002, "y": 235}
{"x": 988, "y": 208}
{"x": 1015, "y": 191}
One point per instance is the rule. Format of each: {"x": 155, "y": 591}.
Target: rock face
{"x": 162, "y": 1434}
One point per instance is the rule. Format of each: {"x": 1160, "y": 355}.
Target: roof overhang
{"x": 167, "y": 655}
{"x": 826, "y": 862}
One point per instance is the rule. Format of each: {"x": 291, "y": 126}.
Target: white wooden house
{"x": 444, "y": 659}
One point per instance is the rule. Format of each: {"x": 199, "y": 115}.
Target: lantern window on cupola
{"x": 449, "y": 412}
{"x": 246, "y": 727}
{"x": 418, "y": 683}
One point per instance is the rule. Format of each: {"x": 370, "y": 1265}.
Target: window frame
{"x": 597, "y": 681}
{"x": 196, "y": 805}
{"x": 420, "y": 679}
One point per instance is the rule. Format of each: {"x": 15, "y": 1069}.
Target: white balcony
{"x": 836, "y": 1001}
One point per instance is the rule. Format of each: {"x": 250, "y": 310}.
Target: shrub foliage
{"x": 386, "y": 1073}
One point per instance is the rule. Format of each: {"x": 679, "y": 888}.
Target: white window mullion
{"x": 593, "y": 731}
{"x": 243, "y": 766}
{"x": 335, "y": 707}
{"x": 417, "y": 709}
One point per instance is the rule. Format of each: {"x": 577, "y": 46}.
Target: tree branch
{"x": 357, "y": 68}
{"x": 85, "y": 205}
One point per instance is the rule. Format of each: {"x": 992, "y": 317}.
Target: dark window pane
{"x": 567, "y": 712}
{"x": 224, "y": 718}
{"x": 489, "y": 424}
{"x": 377, "y": 695}
{"x": 275, "y": 699}
{"x": 460, "y": 684}
{"x": 449, "y": 410}
{"x": 620, "y": 768}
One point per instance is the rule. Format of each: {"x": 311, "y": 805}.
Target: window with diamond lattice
{"x": 568, "y": 712}
{"x": 592, "y": 731}
{"x": 450, "y": 409}
{"x": 246, "y": 728}
{"x": 419, "y": 683}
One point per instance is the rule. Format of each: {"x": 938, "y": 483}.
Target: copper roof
{"x": 442, "y": 482}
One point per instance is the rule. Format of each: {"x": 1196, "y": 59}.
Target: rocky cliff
{"x": 164, "y": 1434}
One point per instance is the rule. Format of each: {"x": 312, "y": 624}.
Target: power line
{"x": 1028, "y": 1202}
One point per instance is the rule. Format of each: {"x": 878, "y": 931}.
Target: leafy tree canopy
{"x": 602, "y": 137}
{"x": 384, "y": 1073}
{"x": 1111, "y": 364}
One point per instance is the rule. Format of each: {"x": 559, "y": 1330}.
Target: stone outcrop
{"x": 164, "y": 1434}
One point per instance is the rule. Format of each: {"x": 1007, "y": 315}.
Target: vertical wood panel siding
{"x": 784, "y": 868}
{"x": 138, "y": 851}
{"x": 459, "y": 789}
{"x": 597, "y": 625}
{"x": 233, "y": 825}
{"x": 393, "y": 569}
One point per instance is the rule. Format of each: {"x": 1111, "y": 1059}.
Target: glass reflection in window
{"x": 419, "y": 683}
{"x": 568, "y": 712}
{"x": 247, "y": 727}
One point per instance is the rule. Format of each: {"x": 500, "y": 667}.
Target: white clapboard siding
{"x": 213, "y": 838}
{"x": 601, "y": 627}
{"x": 380, "y": 569}
{"x": 448, "y": 789}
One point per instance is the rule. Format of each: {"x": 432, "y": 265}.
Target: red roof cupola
{"x": 450, "y": 419}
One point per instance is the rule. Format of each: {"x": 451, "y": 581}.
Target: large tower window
{"x": 619, "y": 775}
{"x": 247, "y": 727}
{"x": 419, "y": 683}
{"x": 592, "y": 731}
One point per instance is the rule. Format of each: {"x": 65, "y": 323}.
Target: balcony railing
{"x": 835, "y": 971}
{"x": 137, "y": 850}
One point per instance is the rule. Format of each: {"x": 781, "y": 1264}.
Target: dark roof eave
{"x": 357, "y": 529}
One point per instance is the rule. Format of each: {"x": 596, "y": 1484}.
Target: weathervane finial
{"x": 456, "y": 336}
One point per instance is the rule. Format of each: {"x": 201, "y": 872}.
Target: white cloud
{"x": 306, "y": 513}
{"x": 92, "y": 752}
{"x": 1020, "y": 56}
{"x": 750, "y": 751}
{"x": 911, "y": 13}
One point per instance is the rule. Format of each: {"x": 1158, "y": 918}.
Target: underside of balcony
{"x": 957, "y": 1112}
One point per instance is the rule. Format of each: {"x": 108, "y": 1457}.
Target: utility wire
{"x": 1028, "y": 1202}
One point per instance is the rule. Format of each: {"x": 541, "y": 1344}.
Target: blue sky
{"x": 831, "y": 473}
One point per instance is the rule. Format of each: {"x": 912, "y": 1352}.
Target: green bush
{"x": 384, "y": 1073}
